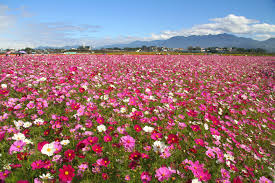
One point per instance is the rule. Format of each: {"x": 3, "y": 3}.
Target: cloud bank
{"x": 231, "y": 24}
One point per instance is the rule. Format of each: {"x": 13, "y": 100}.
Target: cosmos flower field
{"x": 125, "y": 118}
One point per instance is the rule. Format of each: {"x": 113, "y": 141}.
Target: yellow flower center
{"x": 66, "y": 173}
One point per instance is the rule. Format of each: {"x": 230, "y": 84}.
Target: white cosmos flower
{"x": 206, "y": 126}
{"x": 101, "y": 128}
{"x": 123, "y": 110}
{"x": 38, "y": 121}
{"x": 146, "y": 112}
{"x": 148, "y": 129}
{"x": 18, "y": 124}
{"x": 18, "y": 136}
{"x": 4, "y": 85}
{"x": 7, "y": 167}
{"x": 46, "y": 176}
{"x": 27, "y": 124}
{"x": 229, "y": 157}
{"x": 85, "y": 87}
{"x": 64, "y": 142}
{"x": 196, "y": 181}
{"x": 48, "y": 149}
{"x": 27, "y": 141}
{"x": 159, "y": 146}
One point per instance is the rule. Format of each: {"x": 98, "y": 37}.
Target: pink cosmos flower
{"x": 225, "y": 173}
{"x": 163, "y": 173}
{"x": 57, "y": 146}
{"x": 103, "y": 162}
{"x": 210, "y": 153}
{"x": 127, "y": 177}
{"x": 17, "y": 146}
{"x": 4, "y": 175}
{"x": 166, "y": 153}
{"x": 121, "y": 130}
{"x": 182, "y": 125}
{"x": 147, "y": 148}
{"x": 30, "y": 105}
{"x": 128, "y": 142}
{"x": 82, "y": 168}
{"x": 263, "y": 179}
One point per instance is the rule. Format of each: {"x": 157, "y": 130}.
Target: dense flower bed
{"x": 97, "y": 118}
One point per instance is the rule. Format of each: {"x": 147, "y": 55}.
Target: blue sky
{"x": 99, "y": 22}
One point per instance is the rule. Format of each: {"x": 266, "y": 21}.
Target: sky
{"x": 33, "y": 23}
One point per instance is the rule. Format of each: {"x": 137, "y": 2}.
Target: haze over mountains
{"x": 204, "y": 41}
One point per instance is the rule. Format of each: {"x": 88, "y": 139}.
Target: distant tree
{"x": 190, "y": 48}
{"x": 197, "y": 48}
{"x": 29, "y": 50}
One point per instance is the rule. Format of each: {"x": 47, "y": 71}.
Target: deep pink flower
{"x": 172, "y": 139}
{"x": 195, "y": 128}
{"x": 69, "y": 154}
{"x": 91, "y": 140}
{"x": 199, "y": 142}
{"x": 104, "y": 176}
{"x": 37, "y": 164}
{"x": 67, "y": 173}
{"x": 22, "y": 181}
{"x": 156, "y": 136}
{"x": 2, "y": 135}
{"x": 145, "y": 177}
{"x": 137, "y": 128}
{"x": 135, "y": 155}
{"x": 107, "y": 138}
{"x": 97, "y": 148}
{"x": 100, "y": 120}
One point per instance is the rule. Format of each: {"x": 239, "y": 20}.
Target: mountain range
{"x": 220, "y": 40}
{"x": 204, "y": 41}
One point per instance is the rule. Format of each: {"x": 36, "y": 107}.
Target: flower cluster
{"x": 142, "y": 118}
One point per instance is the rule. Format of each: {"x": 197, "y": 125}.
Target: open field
{"x": 137, "y": 118}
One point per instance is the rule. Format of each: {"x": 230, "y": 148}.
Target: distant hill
{"x": 54, "y": 47}
{"x": 220, "y": 40}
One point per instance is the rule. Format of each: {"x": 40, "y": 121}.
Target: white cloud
{"x": 230, "y": 24}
